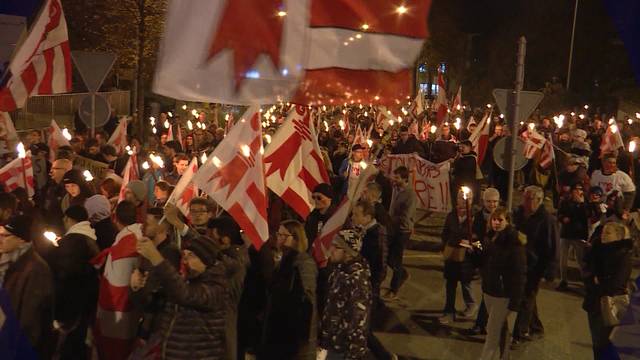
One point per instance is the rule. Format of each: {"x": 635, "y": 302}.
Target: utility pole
{"x": 513, "y": 118}
{"x": 573, "y": 35}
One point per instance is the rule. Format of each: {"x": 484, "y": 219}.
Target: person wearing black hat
{"x": 408, "y": 144}
{"x": 27, "y": 280}
{"x": 75, "y": 281}
{"x": 464, "y": 170}
{"x": 322, "y": 197}
{"x": 77, "y": 189}
{"x": 192, "y": 324}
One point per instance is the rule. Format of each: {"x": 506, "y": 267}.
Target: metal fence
{"x": 40, "y": 109}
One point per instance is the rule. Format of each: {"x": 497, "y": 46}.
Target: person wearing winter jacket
{"x": 233, "y": 254}
{"x": 540, "y": 227}
{"x": 608, "y": 265}
{"x": 75, "y": 282}
{"x": 503, "y": 276}
{"x": 574, "y": 217}
{"x": 458, "y": 264}
{"x": 345, "y": 320}
{"x": 99, "y": 211}
{"x": 464, "y": 168}
{"x": 28, "y": 282}
{"x": 290, "y": 325}
{"x": 192, "y": 323}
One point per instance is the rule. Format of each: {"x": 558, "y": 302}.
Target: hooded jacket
{"x": 75, "y": 280}
{"x": 542, "y": 239}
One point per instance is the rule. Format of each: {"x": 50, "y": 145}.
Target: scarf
{"x": 9, "y": 258}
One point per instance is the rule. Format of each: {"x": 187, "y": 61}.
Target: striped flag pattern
{"x": 185, "y": 189}
{"x": 56, "y": 140}
{"x": 116, "y": 322}
{"x": 293, "y": 161}
{"x": 42, "y": 64}
{"x": 234, "y": 177}
{"x": 314, "y": 52}
{"x": 11, "y": 175}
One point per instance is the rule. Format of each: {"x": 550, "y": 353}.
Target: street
{"x": 411, "y": 330}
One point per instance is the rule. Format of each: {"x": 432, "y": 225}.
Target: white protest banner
{"x": 430, "y": 181}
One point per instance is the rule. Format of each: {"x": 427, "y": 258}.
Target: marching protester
{"x": 346, "y": 317}
{"x": 290, "y": 329}
{"x": 480, "y": 226}
{"x": 28, "y": 281}
{"x": 612, "y": 180}
{"x": 574, "y": 217}
{"x": 458, "y": 263}
{"x": 503, "y": 280}
{"x": 533, "y": 220}
{"x": 75, "y": 282}
{"x": 402, "y": 211}
{"x": 323, "y": 198}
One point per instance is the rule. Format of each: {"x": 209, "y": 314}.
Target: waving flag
{"x": 14, "y": 174}
{"x": 456, "y": 104}
{"x": 440, "y": 105}
{"x": 185, "y": 189}
{"x": 480, "y": 137}
{"x": 534, "y": 141}
{"x": 611, "y": 140}
{"x": 417, "y": 106}
{"x": 8, "y": 135}
{"x": 233, "y": 176}
{"x": 293, "y": 161}
{"x": 42, "y": 64}
{"x": 56, "y": 140}
{"x": 322, "y": 243}
{"x": 116, "y": 321}
{"x": 119, "y": 137}
{"x": 130, "y": 173}
{"x": 268, "y": 50}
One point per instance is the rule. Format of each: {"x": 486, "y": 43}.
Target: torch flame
{"x": 21, "y": 152}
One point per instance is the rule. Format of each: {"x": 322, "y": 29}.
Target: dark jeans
{"x": 451, "y": 292}
{"x": 603, "y": 349}
{"x": 396, "y": 251}
{"x": 528, "y": 321}
{"x": 483, "y": 316}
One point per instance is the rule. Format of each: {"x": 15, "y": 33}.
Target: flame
{"x": 465, "y": 192}
{"x": 87, "y": 175}
{"x": 66, "y": 134}
{"x": 632, "y": 146}
{"x": 246, "y": 151}
{"x": 267, "y": 137}
{"x": 433, "y": 129}
{"x": 189, "y": 125}
{"x": 166, "y": 124}
{"x": 145, "y": 165}
{"x": 21, "y": 152}
{"x": 363, "y": 165}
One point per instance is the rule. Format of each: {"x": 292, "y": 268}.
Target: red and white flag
{"x": 170, "y": 133}
{"x": 534, "y": 141}
{"x": 265, "y": 51}
{"x": 119, "y": 137}
{"x": 179, "y": 135}
{"x": 546, "y": 155}
{"x": 8, "y": 135}
{"x": 480, "y": 137}
{"x": 440, "y": 104}
{"x": 116, "y": 322}
{"x": 185, "y": 189}
{"x": 14, "y": 174}
{"x": 56, "y": 140}
{"x": 413, "y": 129}
{"x": 456, "y": 104}
{"x": 130, "y": 173}
{"x": 417, "y": 106}
{"x": 234, "y": 177}
{"x": 322, "y": 244}
{"x": 611, "y": 140}
{"x": 358, "y": 138}
{"x": 293, "y": 161}
{"x": 42, "y": 63}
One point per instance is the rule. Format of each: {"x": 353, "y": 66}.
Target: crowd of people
{"x": 132, "y": 277}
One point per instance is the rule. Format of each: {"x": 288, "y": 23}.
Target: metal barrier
{"x": 40, "y": 109}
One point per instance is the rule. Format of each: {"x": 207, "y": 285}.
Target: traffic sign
{"x": 501, "y": 154}
{"x": 102, "y": 110}
{"x": 93, "y": 67}
{"x": 529, "y": 101}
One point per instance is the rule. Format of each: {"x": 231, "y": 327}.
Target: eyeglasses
{"x": 283, "y": 235}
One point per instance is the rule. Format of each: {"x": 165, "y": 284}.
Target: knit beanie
{"x": 138, "y": 188}
{"x": 77, "y": 213}
{"x": 73, "y": 177}
{"x": 204, "y": 249}
{"x": 324, "y": 189}
{"x": 98, "y": 208}
{"x": 20, "y": 226}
